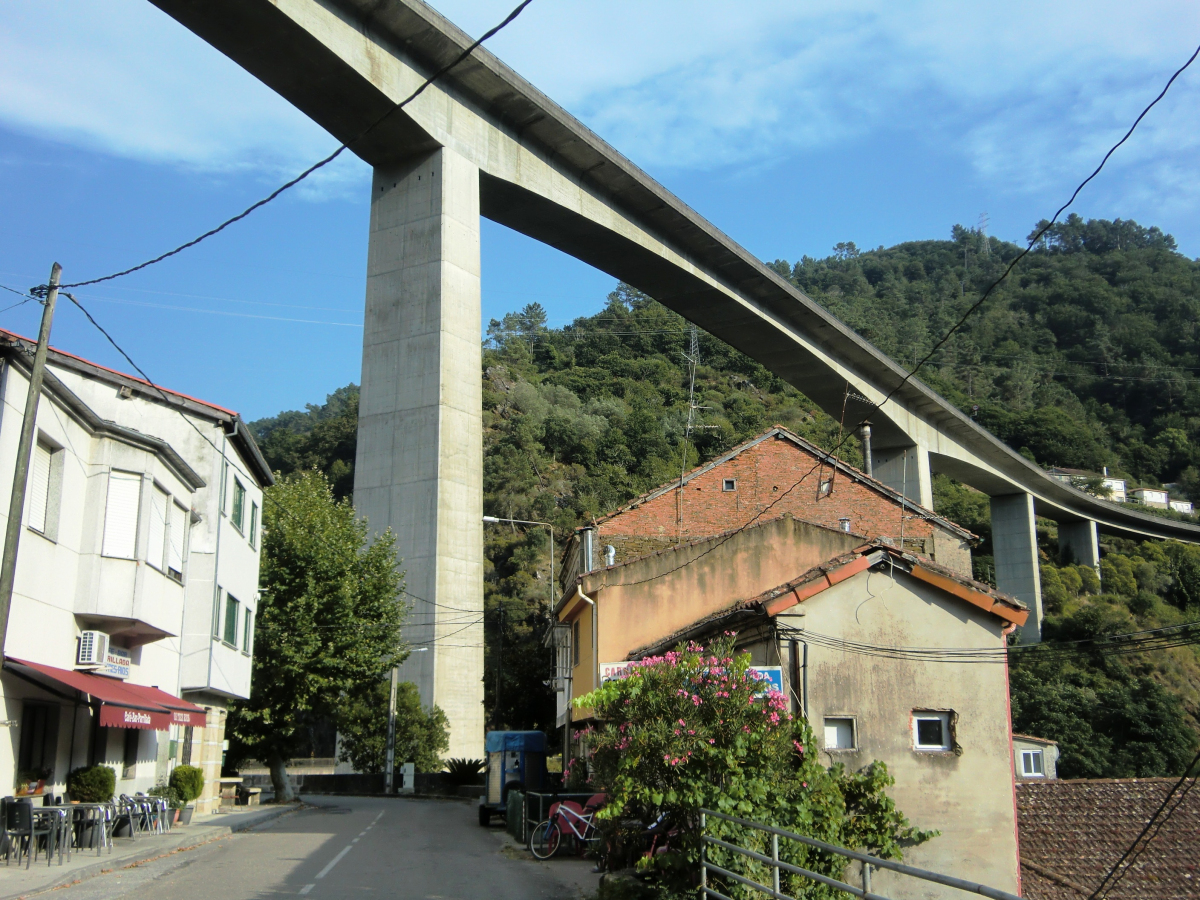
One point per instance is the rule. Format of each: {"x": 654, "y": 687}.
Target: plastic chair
{"x": 20, "y": 824}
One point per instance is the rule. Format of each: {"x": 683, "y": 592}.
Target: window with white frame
{"x": 254, "y": 525}
{"x": 39, "y": 488}
{"x": 156, "y": 550}
{"x": 247, "y": 630}
{"x": 839, "y": 733}
{"x": 176, "y": 541}
{"x": 729, "y": 484}
{"x": 931, "y": 730}
{"x": 1032, "y": 764}
{"x": 231, "y": 619}
{"x": 121, "y": 514}
{"x": 238, "y": 514}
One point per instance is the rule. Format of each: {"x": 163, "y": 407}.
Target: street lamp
{"x": 389, "y": 771}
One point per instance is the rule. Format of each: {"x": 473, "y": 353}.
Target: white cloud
{"x": 1027, "y": 91}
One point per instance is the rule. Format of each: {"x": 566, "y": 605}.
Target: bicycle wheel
{"x": 545, "y": 839}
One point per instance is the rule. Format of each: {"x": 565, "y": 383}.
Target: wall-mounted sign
{"x": 771, "y": 676}
{"x": 116, "y": 662}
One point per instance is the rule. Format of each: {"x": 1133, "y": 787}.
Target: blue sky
{"x": 790, "y": 125}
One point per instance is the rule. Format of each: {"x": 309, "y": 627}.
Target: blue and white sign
{"x": 116, "y": 662}
{"x": 772, "y": 675}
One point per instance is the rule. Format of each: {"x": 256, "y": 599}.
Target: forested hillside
{"x": 1087, "y": 357}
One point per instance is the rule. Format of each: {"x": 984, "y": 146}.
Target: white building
{"x": 1149, "y": 497}
{"x": 1183, "y": 506}
{"x": 1080, "y": 477}
{"x": 136, "y": 584}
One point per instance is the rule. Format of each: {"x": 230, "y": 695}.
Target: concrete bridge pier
{"x": 1014, "y": 541}
{"x": 419, "y": 464}
{"x": 905, "y": 469}
{"x": 1079, "y": 542}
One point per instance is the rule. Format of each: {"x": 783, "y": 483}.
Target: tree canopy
{"x": 328, "y": 622}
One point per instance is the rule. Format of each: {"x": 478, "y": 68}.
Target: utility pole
{"x": 389, "y": 773}
{"x": 16, "y": 504}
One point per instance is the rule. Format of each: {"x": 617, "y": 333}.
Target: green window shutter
{"x": 231, "y": 619}
{"x": 239, "y": 505}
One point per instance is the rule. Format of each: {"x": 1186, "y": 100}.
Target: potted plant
{"x": 92, "y": 784}
{"x": 168, "y": 793}
{"x": 188, "y": 784}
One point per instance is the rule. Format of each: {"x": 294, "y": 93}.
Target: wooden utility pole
{"x": 16, "y": 505}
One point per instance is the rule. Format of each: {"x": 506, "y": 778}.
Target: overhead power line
{"x": 830, "y": 455}
{"x": 1129, "y": 857}
{"x": 315, "y": 166}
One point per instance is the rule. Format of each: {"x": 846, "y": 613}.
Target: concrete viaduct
{"x": 482, "y": 141}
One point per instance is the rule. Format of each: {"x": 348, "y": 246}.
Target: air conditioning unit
{"x": 93, "y": 648}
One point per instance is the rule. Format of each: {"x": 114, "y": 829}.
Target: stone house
{"x": 888, "y": 654}
{"x": 758, "y": 479}
{"x": 133, "y": 612}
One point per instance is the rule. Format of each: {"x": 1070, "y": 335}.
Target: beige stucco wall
{"x": 967, "y": 795}
{"x": 633, "y": 615}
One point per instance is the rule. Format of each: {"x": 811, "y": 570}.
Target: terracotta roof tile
{"x": 1073, "y": 832}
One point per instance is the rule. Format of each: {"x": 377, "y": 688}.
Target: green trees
{"x": 689, "y": 730}
{"x": 328, "y": 619}
{"x": 421, "y": 734}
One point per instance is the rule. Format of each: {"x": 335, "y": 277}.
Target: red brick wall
{"x": 763, "y": 473}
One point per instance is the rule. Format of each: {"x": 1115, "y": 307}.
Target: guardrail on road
{"x": 777, "y": 865}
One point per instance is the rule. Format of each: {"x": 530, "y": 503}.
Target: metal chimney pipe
{"x": 864, "y": 432}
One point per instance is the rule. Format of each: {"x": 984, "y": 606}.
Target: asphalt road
{"x": 353, "y": 847}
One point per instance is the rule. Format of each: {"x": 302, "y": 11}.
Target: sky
{"x": 791, "y": 126}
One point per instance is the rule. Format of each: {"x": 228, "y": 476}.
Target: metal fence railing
{"x": 777, "y": 865}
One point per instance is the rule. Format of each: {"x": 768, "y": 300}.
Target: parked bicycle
{"x": 568, "y": 820}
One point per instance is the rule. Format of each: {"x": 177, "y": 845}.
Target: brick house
{"x": 758, "y": 480}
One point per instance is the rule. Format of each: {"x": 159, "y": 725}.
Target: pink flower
{"x": 712, "y": 740}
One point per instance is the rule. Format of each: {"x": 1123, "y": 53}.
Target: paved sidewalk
{"x": 21, "y": 882}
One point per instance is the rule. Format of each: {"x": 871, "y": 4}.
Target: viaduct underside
{"x": 482, "y": 141}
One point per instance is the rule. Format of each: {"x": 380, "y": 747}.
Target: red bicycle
{"x": 567, "y": 818}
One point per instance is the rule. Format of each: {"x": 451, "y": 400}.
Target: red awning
{"x": 182, "y": 712}
{"x": 121, "y": 705}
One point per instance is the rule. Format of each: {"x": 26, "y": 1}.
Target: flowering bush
{"x": 695, "y": 729}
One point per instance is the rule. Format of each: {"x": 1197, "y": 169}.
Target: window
{"x": 176, "y": 541}
{"x": 239, "y": 504}
{"x": 931, "y": 730}
{"x": 247, "y": 630}
{"x": 839, "y": 734}
{"x": 729, "y": 484}
{"x": 1031, "y": 764}
{"x": 39, "y": 740}
{"x": 575, "y": 643}
{"x": 254, "y": 525}
{"x": 39, "y": 489}
{"x": 132, "y": 736}
{"x": 121, "y": 514}
{"x": 156, "y": 552}
{"x": 231, "y": 619}
{"x": 186, "y": 758}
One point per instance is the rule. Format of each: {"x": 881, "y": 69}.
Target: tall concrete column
{"x": 1014, "y": 539}
{"x": 419, "y": 465}
{"x": 1079, "y": 543}
{"x": 905, "y": 469}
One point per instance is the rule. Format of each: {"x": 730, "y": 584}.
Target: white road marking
{"x": 307, "y": 888}
{"x": 337, "y": 859}
{"x": 355, "y": 841}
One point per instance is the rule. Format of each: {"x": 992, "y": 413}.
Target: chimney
{"x": 864, "y": 432}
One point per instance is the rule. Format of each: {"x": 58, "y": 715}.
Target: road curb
{"x": 206, "y": 834}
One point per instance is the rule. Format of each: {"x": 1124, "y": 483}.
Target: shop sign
{"x": 124, "y": 717}
{"x": 771, "y": 676}
{"x": 116, "y": 662}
